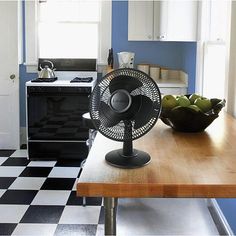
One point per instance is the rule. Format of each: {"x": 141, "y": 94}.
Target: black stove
{"x": 82, "y": 79}
{"x": 55, "y": 128}
{"x": 48, "y": 80}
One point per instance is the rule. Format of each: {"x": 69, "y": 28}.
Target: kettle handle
{"x": 40, "y": 66}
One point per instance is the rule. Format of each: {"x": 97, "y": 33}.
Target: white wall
{"x": 231, "y": 100}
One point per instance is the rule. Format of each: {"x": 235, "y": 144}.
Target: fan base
{"x": 117, "y": 159}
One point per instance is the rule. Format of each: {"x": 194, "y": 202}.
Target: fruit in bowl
{"x": 194, "y": 115}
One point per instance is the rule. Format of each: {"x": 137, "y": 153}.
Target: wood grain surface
{"x": 182, "y": 164}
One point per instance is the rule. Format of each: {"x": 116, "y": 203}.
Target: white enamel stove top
{"x": 64, "y": 78}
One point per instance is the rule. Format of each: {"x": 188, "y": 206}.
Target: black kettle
{"x": 46, "y": 70}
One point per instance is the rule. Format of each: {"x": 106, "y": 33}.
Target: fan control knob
{"x": 120, "y": 101}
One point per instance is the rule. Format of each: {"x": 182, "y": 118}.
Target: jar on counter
{"x": 144, "y": 68}
{"x": 154, "y": 72}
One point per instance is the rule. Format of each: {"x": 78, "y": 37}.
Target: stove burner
{"x": 48, "y": 80}
{"x": 81, "y": 79}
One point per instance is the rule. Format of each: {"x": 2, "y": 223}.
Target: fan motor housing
{"x": 120, "y": 101}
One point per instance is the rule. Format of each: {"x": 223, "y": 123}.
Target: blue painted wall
{"x": 24, "y": 77}
{"x": 228, "y": 207}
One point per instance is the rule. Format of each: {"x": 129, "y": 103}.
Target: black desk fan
{"x": 124, "y": 106}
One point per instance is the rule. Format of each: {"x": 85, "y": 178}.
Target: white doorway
{"x": 10, "y": 28}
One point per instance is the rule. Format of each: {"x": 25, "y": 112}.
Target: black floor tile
{"x": 101, "y": 216}
{"x": 80, "y": 171}
{"x": 18, "y": 197}
{"x": 90, "y": 201}
{"x": 36, "y": 172}
{"x": 72, "y": 229}
{"x": 23, "y": 146}
{"x": 5, "y": 182}
{"x": 7, "y": 228}
{"x": 58, "y": 184}
{"x": 16, "y": 162}
{"x": 69, "y": 163}
{"x": 42, "y": 214}
{"x": 6, "y": 153}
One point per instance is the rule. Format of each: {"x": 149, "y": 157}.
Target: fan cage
{"x": 101, "y": 93}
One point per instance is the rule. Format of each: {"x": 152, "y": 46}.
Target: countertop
{"x": 182, "y": 164}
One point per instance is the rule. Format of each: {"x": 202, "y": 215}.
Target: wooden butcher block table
{"x": 182, "y": 165}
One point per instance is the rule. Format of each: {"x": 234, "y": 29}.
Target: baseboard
{"x": 23, "y": 139}
{"x": 218, "y": 217}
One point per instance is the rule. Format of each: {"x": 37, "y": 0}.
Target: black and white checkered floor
{"x": 39, "y": 198}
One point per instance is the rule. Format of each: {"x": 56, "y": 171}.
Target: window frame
{"x": 31, "y": 34}
{"x": 205, "y": 37}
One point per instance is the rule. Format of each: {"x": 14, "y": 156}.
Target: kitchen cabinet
{"x": 176, "y": 83}
{"x": 218, "y": 27}
{"x": 162, "y": 20}
{"x": 173, "y": 90}
{"x": 175, "y": 87}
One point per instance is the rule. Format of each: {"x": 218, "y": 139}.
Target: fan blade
{"x": 144, "y": 113}
{"x": 124, "y": 82}
{"x": 108, "y": 117}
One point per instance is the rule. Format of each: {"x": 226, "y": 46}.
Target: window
{"x": 213, "y": 48}
{"x": 67, "y": 29}
{"x": 214, "y": 68}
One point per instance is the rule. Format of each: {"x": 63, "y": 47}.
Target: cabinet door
{"x": 160, "y": 20}
{"x": 219, "y": 14}
{"x": 181, "y": 20}
{"x": 140, "y": 20}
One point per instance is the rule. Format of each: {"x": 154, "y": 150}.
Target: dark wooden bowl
{"x": 185, "y": 119}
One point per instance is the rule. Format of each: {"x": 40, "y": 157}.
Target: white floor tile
{"x": 35, "y": 229}
{"x": 80, "y": 215}
{"x": 20, "y": 153}
{"x": 64, "y": 172}
{"x": 3, "y": 159}
{"x": 10, "y": 171}
{"x": 42, "y": 163}
{"x": 51, "y": 197}
{"x": 100, "y": 230}
{"x": 2, "y": 191}
{"x": 32, "y": 183}
{"x": 12, "y": 213}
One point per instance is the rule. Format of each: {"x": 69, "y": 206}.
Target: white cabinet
{"x": 174, "y": 91}
{"x": 162, "y": 20}
{"x": 218, "y": 22}
{"x": 176, "y": 83}
{"x": 140, "y": 23}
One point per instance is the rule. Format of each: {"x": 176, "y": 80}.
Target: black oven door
{"x": 54, "y": 122}
{"x": 55, "y": 113}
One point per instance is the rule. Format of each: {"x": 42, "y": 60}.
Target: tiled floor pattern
{"x": 39, "y": 198}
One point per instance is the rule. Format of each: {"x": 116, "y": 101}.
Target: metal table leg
{"x": 110, "y": 206}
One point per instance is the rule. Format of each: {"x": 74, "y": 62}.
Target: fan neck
{"x": 128, "y": 144}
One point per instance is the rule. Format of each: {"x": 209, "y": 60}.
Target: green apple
{"x": 178, "y": 96}
{"x": 194, "y": 107}
{"x": 169, "y": 102}
{"x": 183, "y": 101}
{"x": 176, "y": 108}
{"x": 193, "y": 97}
{"x": 203, "y": 103}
